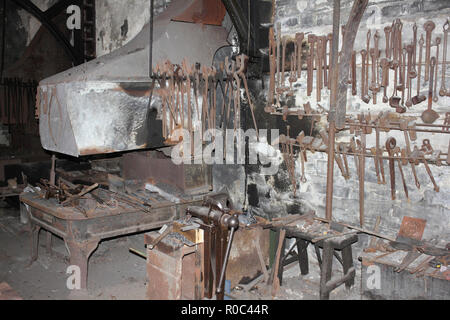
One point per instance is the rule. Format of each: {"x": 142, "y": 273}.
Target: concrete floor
{"x": 115, "y": 273}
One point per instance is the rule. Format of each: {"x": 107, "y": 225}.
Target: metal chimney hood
{"x": 101, "y": 106}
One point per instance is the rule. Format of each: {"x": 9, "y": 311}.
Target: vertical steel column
{"x": 333, "y": 103}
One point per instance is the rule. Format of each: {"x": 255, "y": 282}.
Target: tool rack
{"x": 398, "y": 63}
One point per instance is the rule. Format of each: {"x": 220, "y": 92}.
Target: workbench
{"x": 409, "y": 284}
{"x": 85, "y": 225}
{"x": 7, "y": 192}
{"x": 307, "y": 231}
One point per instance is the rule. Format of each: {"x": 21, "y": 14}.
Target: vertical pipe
{"x": 2, "y": 58}
{"x": 333, "y": 103}
{"x": 150, "y": 49}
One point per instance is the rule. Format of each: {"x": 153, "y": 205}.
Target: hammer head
{"x": 418, "y": 99}
{"x": 366, "y": 99}
{"x": 400, "y": 109}
{"x": 394, "y": 102}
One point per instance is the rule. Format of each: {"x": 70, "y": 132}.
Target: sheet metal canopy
{"x": 102, "y": 106}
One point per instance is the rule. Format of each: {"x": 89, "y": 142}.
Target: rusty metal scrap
{"x": 210, "y": 12}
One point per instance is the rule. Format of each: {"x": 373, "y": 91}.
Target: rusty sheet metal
{"x": 210, "y": 12}
{"x": 188, "y": 178}
{"x": 244, "y": 264}
{"x": 102, "y": 106}
{"x": 412, "y": 228}
{"x": 7, "y": 293}
{"x": 172, "y": 270}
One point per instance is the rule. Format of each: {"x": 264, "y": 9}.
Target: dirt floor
{"x": 117, "y": 274}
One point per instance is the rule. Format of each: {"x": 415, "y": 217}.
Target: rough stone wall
{"x": 120, "y": 21}
{"x": 273, "y": 196}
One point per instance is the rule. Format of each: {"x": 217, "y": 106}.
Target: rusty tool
{"x": 237, "y": 99}
{"x": 340, "y": 164}
{"x": 393, "y": 42}
{"x": 81, "y": 194}
{"x": 319, "y": 74}
{"x": 377, "y": 164}
{"x": 435, "y": 95}
{"x": 396, "y": 26}
{"x": 243, "y": 60}
{"x": 343, "y": 149}
{"x": 354, "y": 80}
{"x": 273, "y": 62}
{"x": 293, "y": 74}
{"x": 354, "y": 150}
{"x": 325, "y": 60}
{"x": 376, "y": 152}
{"x": 427, "y": 167}
{"x": 446, "y": 127}
{"x": 387, "y": 32}
{"x": 397, "y": 151}
{"x": 283, "y": 63}
{"x": 163, "y": 233}
{"x": 429, "y": 116}
{"x": 429, "y": 27}
{"x": 385, "y": 78}
{"x": 278, "y": 54}
{"x": 404, "y": 127}
{"x": 418, "y": 156}
{"x": 443, "y": 90}
{"x": 362, "y": 171}
{"x": 312, "y": 39}
{"x": 299, "y": 37}
{"x": 376, "y": 38}
{"x": 330, "y": 72}
{"x": 391, "y": 143}
{"x": 426, "y": 147}
{"x": 419, "y": 98}
{"x": 374, "y": 86}
{"x": 364, "y": 75}
{"x": 400, "y": 55}
{"x": 410, "y": 50}
{"x": 379, "y": 155}
{"x": 394, "y": 101}
{"x": 448, "y": 153}
{"x": 403, "y": 86}
{"x": 321, "y": 42}
{"x": 369, "y": 36}
{"x": 413, "y": 69}
{"x": 205, "y": 102}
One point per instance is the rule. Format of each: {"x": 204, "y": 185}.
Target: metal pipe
{"x": 333, "y": 103}
{"x": 150, "y": 54}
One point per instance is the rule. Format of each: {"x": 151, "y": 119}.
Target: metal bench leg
{"x": 347, "y": 258}
{"x": 281, "y": 266}
{"x": 302, "y": 249}
{"x": 319, "y": 258}
{"x": 34, "y": 243}
{"x": 327, "y": 266}
{"x": 49, "y": 243}
{"x": 79, "y": 256}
